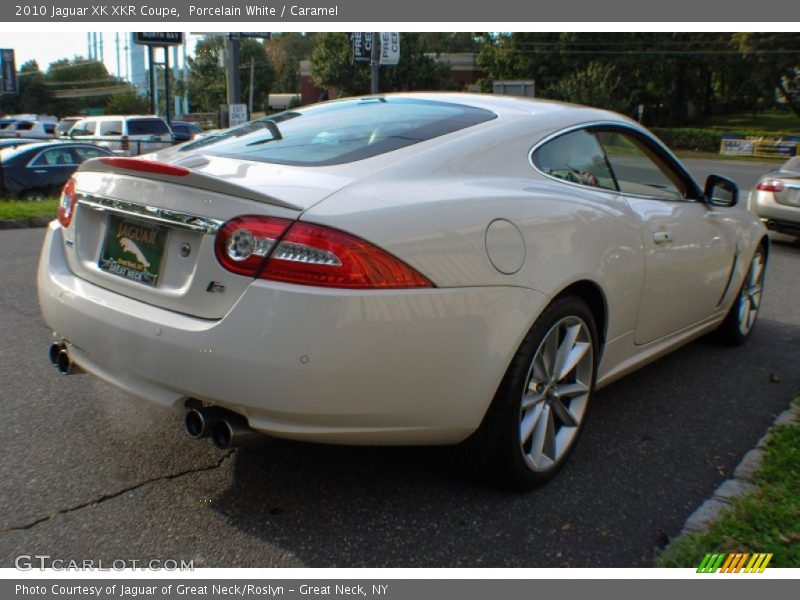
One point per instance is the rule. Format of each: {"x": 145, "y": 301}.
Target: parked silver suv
{"x": 125, "y": 135}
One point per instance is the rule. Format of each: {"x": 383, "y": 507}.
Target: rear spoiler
{"x": 180, "y": 175}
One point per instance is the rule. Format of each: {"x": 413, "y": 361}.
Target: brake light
{"x": 66, "y": 204}
{"x": 243, "y": 244}
{"x": 770, "y": 185}
{"x": 145, "y": 166}
{"x": 314, "y": 255}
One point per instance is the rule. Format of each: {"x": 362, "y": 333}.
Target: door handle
{"x": 40, "y": 171}
{"x": 660, "y": 237}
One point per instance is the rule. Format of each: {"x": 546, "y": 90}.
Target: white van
{"x": 127, "y": 135}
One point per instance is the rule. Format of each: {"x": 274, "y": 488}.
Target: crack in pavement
{"x": 131, "y": 488}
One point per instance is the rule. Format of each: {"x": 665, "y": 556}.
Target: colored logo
{"x": 736, "y": 562}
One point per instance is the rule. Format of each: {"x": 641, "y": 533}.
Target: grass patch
{"x": 765, "y": 521}
{"x": 764, "y": 121}
{"x": 11, "y": 210}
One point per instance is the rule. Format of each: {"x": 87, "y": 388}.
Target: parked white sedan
{"x": 403, "y": 269}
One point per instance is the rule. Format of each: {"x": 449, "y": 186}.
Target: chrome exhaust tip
{"x": 65, "y": 364}
{"x": 232, "y": 431}
{"x": 56, "y": 349}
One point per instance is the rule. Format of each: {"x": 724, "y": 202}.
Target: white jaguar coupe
{"x": 401, "y": 269}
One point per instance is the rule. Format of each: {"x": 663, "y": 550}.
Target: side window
{"x": 83, "y": 128}
{"x": 54, "y": 157}
{"x": 639, "y": 169}
{"x": 110, "y": 128}
{"x": 86, "y": 152}
{"x": 576, "y": 157}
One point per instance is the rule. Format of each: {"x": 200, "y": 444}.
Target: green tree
{"x": 129, "y": 103}
{"x": 263, "y": 72}
{"x": 34, "y": 96}
{"x": 206, "y": 81}
{"x": 332, "y": 65}
{"x": 774, "y": 61}
{"x": 286, "y": 50}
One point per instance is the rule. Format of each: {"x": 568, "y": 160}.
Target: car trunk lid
{"x": 150, "y": 235}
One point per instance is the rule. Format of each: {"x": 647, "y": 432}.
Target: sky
{"x": 51, "y": 46}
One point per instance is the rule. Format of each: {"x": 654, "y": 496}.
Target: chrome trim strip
{"x": 164, "y": 216}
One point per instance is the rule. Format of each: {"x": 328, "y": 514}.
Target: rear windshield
{"x": 147, "y": 127}
{"x": 341, "y": 132}
{"x": 5, "y": 124}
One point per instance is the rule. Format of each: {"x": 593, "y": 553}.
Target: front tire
{"x": 741, "y": 318}
{"x": 539, "y": 409}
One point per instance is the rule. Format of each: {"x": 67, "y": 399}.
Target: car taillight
{"x": 126, "y": 145}
{"x": 307, "y": 254}
{"x": 770, "y": 185}
{"x": 66, "y": 205}
{"x": 314, "y": 255}
{"x": 243, "y": 243}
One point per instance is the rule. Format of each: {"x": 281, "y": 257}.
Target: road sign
{"x": 8, "y": 72}
{"x": 237, "y": 114}
{"x": 158, "y": 38}
{"x": 390, "y": 47}
{"x": 362, "y": 46}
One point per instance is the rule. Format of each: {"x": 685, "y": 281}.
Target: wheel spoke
{"x": 575, "y": 356}
{"x": 563, "y": 413}
{"x": 564, "y": 350}
{"x": 540, "y": 435}
{"x": 531, "y": 398}
{"x": 529, "y": 422}
{"x": 570, "y": 390}
{"x": 549, "y": 352}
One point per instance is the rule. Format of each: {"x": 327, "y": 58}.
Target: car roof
{"x": 120, "y": 117}
{"x": 509, "y": 106}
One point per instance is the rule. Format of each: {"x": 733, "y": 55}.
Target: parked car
{"x": 183, "y": 131}
{"x": 403, "y": 269}
{"x": 26, "y": 128}
{"x": 39, "y": 170}
{"x": 776, "y": 199}
{"x": 125, "y": 135}
{"x": 64, "y": 125}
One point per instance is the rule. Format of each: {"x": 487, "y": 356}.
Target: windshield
{"x": 340, "y": 132}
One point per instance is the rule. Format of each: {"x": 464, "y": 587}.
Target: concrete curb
{"x": 25, "y": 223}
{"x": 740, "y": 484}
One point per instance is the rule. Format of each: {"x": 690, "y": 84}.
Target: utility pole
{"x": 374, "y": 63}
{"x": 232, "y": 68}
{"x": 252, "y": 80}
{"x": 166, "y": 85}
{"x": 150, "y": 54}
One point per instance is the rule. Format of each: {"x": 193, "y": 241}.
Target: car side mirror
{"x": 721, "y": 191}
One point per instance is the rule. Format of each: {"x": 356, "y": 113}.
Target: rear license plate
{"x": 133, "y": 249}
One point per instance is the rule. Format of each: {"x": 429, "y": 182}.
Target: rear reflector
{"x": 66, "y": 204}
{"x": 314, "y": 255}
{"x": 144, "y": 166}
{"x": 770, "y": 185}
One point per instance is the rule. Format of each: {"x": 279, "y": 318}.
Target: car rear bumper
{"x": 776, "y": 216}
{"x": 375, "y": 367}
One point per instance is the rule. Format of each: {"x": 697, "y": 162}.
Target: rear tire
{"x": 741, "y": 318}
{"x": 539, "y": 409}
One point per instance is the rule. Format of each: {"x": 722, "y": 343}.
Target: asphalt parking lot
{"x": 89, "y": 473}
